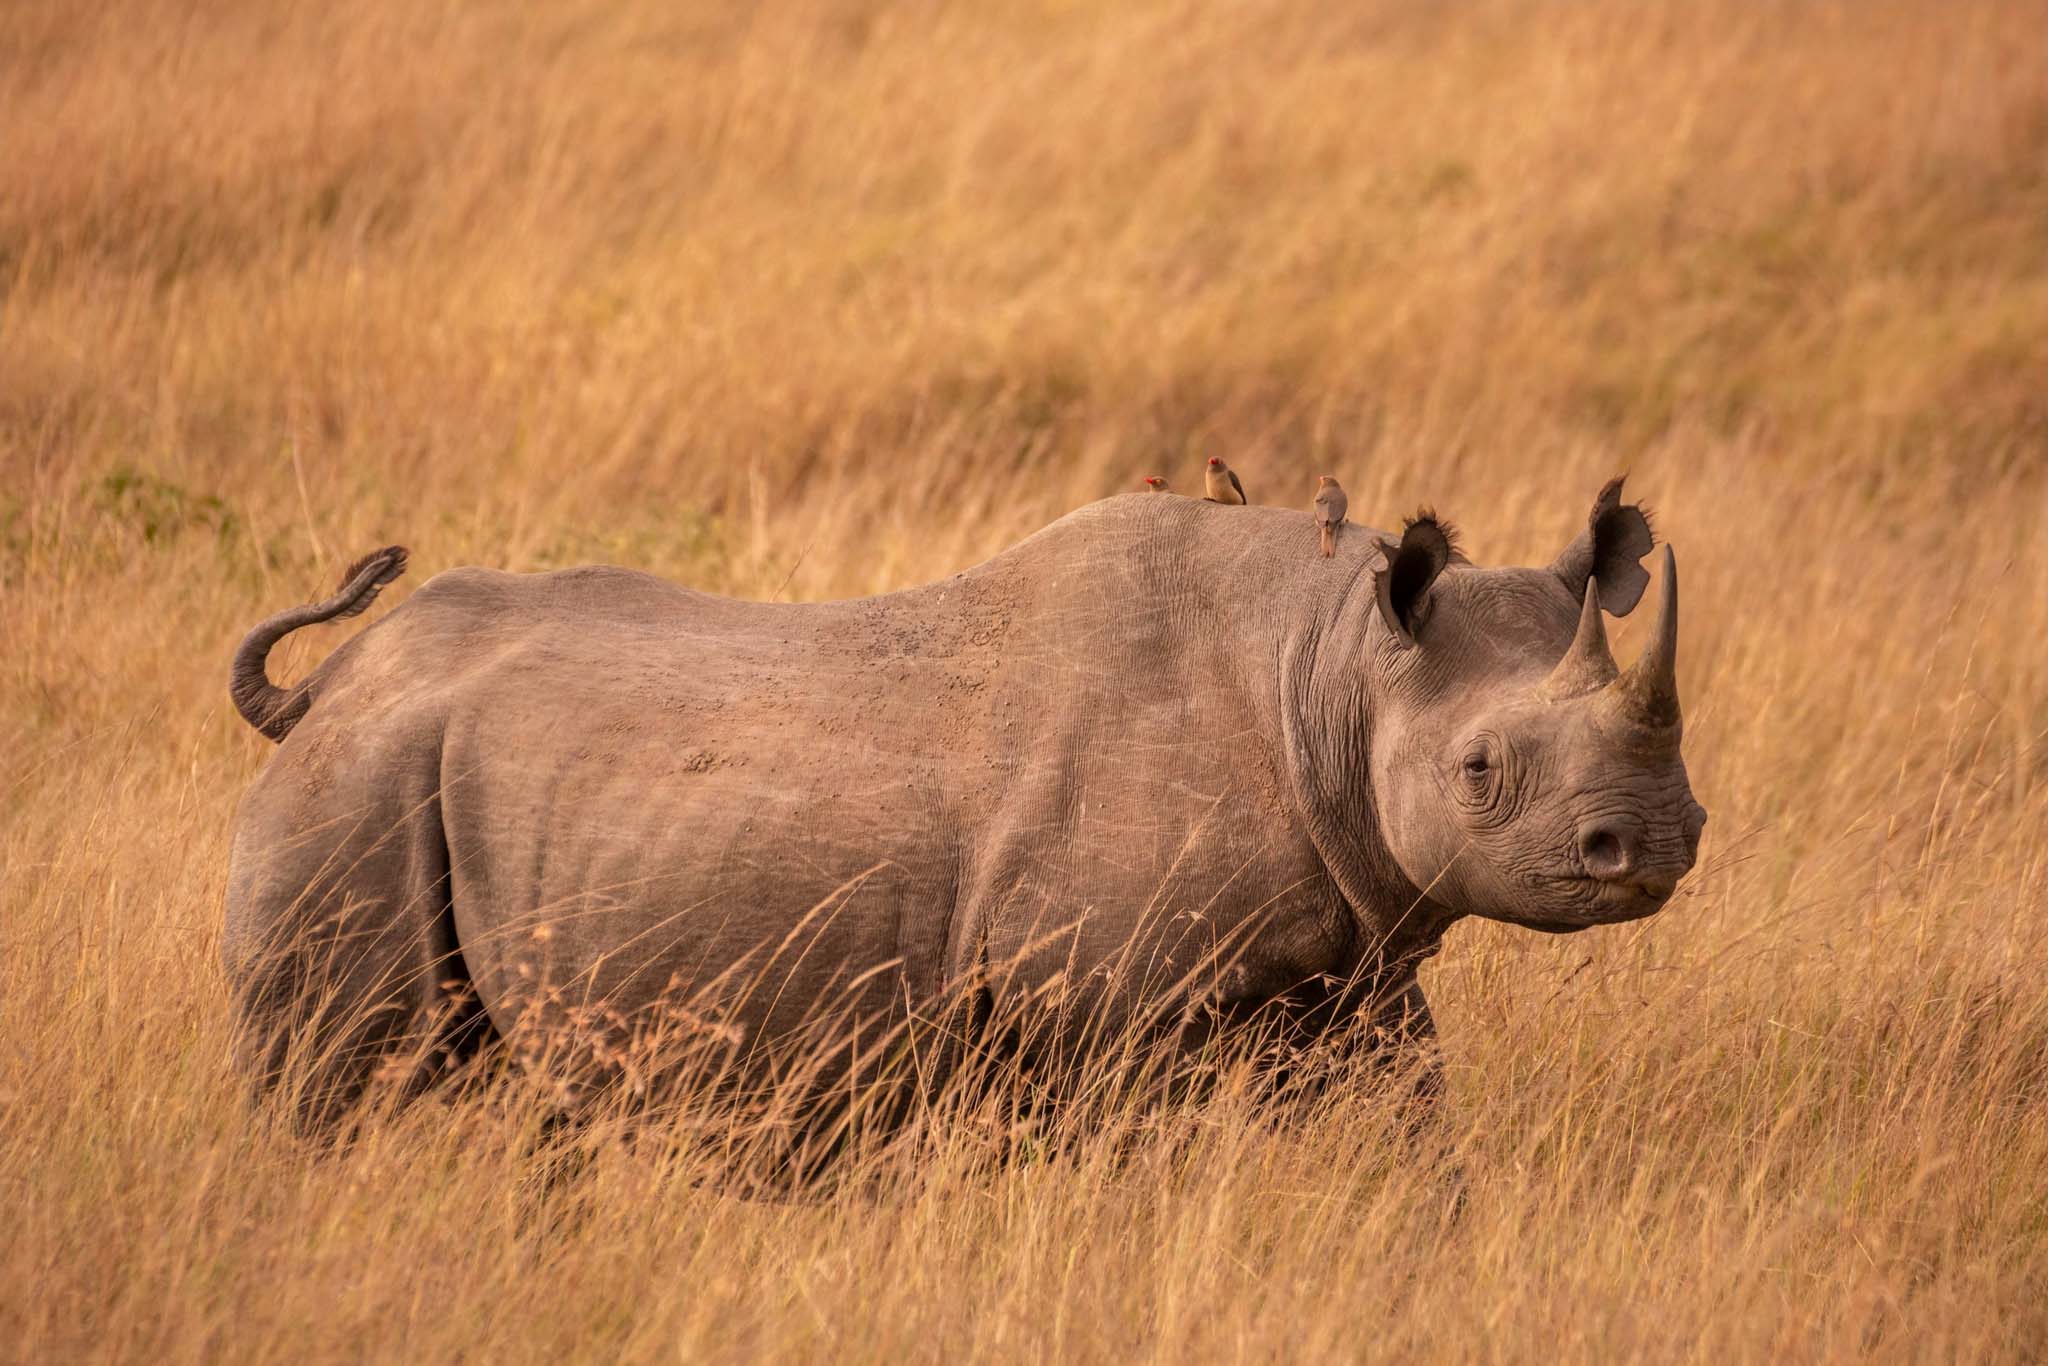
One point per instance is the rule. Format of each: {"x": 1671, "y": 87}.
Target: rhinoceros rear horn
{"x": 1648, "y": 692}
{"x": 1587, "y": 666}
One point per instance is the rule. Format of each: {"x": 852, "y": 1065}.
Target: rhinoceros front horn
{"x": 1648, "y": 692}
{"x": 1587, "y": 665}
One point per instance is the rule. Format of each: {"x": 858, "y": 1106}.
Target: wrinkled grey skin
{"x": 1159, "y": 767}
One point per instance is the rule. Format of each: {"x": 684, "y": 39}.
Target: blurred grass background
{"x": 830, "y": 297}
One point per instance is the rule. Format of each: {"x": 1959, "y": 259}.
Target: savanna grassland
{"x": 825, "y": 298}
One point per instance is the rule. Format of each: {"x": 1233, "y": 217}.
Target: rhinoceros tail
{"x": 274, "y": 710}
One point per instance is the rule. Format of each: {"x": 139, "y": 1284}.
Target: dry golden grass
{"x": 829, "y": 297}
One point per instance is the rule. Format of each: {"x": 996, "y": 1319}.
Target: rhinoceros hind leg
{"x": 347, "y": 980}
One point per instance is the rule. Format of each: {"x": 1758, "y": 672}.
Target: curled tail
{"x": 274, "y": 710}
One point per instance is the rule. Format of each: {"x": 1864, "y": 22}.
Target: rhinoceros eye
{"x": 1480, "y": 787}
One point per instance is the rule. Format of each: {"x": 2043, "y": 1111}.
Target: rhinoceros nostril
{"x": 1603, "y": 853}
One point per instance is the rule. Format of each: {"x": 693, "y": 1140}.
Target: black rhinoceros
{"x": 1158, "y": 769}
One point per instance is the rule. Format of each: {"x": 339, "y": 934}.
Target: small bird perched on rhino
{"x": 1222, "y": 483}
{"x": 1157, "y": 484}
{"x": 1330, "y": 507}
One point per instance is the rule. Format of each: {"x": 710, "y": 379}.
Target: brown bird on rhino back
{"x": 1156, "y": 484}
{"x": 1330, "y": 507}
{"x": 1222, "y": 484}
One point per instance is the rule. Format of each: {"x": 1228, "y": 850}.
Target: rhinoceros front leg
{"x": 1407, "y": 1054}
{"x": 1406, "y": 1045}
{"x": 1367, "y": 1037}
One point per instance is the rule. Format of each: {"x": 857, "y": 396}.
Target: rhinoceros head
{"x": 1520, "y": 774}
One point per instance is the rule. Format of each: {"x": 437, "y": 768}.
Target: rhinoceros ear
{"x": 1402, "y": 583}
{"x": 1611, "y": 548}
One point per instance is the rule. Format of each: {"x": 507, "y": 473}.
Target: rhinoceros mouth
{"x": 1612, "y": 903}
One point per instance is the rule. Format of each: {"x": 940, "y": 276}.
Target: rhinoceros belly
{"x": 648, "y": 830}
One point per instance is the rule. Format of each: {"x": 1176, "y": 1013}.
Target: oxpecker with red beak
{"x": 1222, "y": 484}
{"x": 1330, "y": 506}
